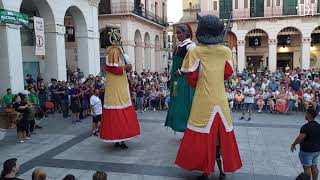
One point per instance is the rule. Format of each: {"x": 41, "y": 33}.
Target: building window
{"x": 289, "y": 7}
{"x": 301, "y": 1}
{"x": 245, "y": 3}
{"x": 210, "y": 5}
{"x": 163, "y": 10}
{"x": 256, "y": 8}
{"x": 236, "y": 4}
{"x": 268, "y": 3}
{"x": 164, "y": 40}
{"x": 278, "y": 3}
{"x": 215, "y": 5}
{"x": 313, "y": 1}
{"x": 156, "y": 8}
{"x": 225, "y": 8}
{"x": 318, "y": 6}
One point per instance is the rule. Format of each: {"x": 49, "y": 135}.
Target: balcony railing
{"x": 124, "y": 8}
{"x": 267, "y": 13}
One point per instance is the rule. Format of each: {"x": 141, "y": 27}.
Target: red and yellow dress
{"x": 207, "y": 67}
{"x": 119, "y": 119}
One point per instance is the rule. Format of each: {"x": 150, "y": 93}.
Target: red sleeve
{"x": 227, "y": 70}
{"x": 115, "y": 70}
{"x": 193, "y": 78}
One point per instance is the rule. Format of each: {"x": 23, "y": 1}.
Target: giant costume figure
{"x": 210, "y": 124}
{"x": 119, "y": 119}
{"x": 181, "y": 93}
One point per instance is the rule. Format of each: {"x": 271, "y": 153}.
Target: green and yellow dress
{"x": 181, "y": 93}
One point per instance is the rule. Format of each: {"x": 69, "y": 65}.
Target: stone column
{"x": 55, "y": 58}
{"x": 139, "y": 54}
{"x": 272, "y": 60}
{"x": 241, "y": 55}
{"x": 147, "y": 56}
{"x": 11, "y": 69}
{"x": 305, "y": 53}
{"x": 153, "y": 58}
{"x": 95, "y": 38}
{"x": 157, "y": 57}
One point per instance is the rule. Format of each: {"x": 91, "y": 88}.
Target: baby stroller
{"x": 43, "y": 112}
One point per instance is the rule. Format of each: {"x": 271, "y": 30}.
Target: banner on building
{"x": 12, "y": 17}
{"x": 39, "y": 36}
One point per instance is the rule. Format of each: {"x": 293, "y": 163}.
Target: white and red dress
{"x": 119, "y": 119}
{"x": 207, "y": 67}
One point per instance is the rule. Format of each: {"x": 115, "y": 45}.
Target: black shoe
{"x": 117, "y": 145}
{"x": 78, "y": 121}
{"x": 222, "y": 176}
{"x": 203, "y": 177}
{"x": 124, "y": 146}
{"x": 249, "y": 119}
{"x": 242, "y": 118}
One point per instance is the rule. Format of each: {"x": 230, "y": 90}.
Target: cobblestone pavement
{"x": 65, "y": 148}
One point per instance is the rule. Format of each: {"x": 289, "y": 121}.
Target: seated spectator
{"x": 260, "y": 101}
{"x": 230, "y": 96}
{"x": 293, "y": 100}
{"x": 308, "y": 100}
{"x": 39, "y": 174}
{"x": 282, "y": 101}
{"x": 271, "y": 97}
{"x": 99, "y": 175}
{"x": 238, "y": 98}
{"x": 10, "y": 170}
{"x": 154, "y": 99}
{"x": 69, "y": 177}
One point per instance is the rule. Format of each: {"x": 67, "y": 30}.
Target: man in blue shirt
{"x": 273, "y": 85}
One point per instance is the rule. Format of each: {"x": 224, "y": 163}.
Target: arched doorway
{"x": 289, "y": 48}
{"x": 147, "y": 52}
{"x": 256, "y": 50}
{"x": 138, "y": 52}
{"x": 158, "y": 65}
{"x": 76, "y": 43}
{"x": 45, "y": 66}
{"x": 315, "y": 48}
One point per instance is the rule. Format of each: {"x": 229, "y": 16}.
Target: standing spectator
{"x": 43, "y": 96}
{"x": 39, "y": 174}
{"x": 64, "y": 95}
{"x": 99, "y": 175}
{"x": 96, "y": 107}
{"x": 260, "y": 100}
{"x": 7, "y": 99}
{"x": 29, "y": 79}
{"x": 249, "y": 93}
{"x": 140, "y": 96}
{"x": 309, "y": 144}
{"x": 75, "y": 103}
{"x": 22, "y": 124}
{"x": 10, "y": 170}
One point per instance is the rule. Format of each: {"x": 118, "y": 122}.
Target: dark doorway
{"x": 254, "y": 62}
{"x": 285, "y": 59}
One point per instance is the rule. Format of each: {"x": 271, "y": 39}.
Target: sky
{"x": 174, "y": 10}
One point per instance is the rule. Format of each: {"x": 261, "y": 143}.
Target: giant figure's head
{"x": 183, "y": 32}
{"x": 210, "y": 30}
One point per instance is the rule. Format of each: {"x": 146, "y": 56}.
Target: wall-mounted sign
{"x": 12, "y": 17}
{"x": 39, "y": 36}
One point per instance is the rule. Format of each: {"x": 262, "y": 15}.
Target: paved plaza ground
{"x": 64, "y": 148}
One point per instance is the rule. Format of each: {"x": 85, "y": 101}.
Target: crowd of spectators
{"x": 11, "y": 169}
{"x": 283, "y": 91}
